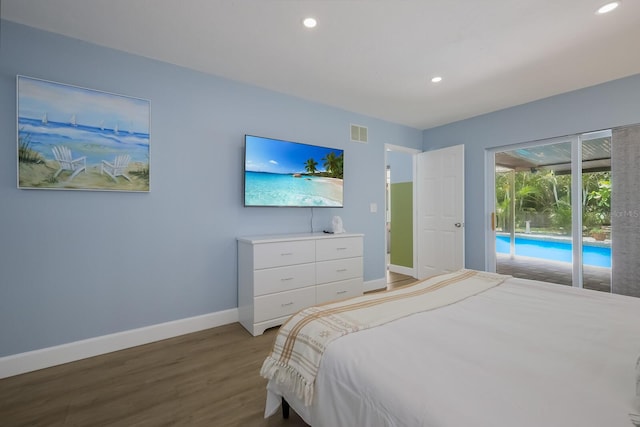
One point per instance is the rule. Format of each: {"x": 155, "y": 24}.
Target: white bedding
{"x": 525, "y": 353}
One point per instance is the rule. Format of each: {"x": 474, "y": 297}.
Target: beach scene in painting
{"x": 283, "y": 173}
{"x": 75, "y": 138}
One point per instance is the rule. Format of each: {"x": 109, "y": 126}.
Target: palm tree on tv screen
{"x": 333, "y": 164}
{"x": 310, "y": 166}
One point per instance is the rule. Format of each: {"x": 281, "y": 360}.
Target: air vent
{"x": 359, "y": 133}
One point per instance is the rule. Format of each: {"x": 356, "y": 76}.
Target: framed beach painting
{"x": 72, "y": 138}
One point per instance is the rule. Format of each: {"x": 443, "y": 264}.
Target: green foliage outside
{"x": 544, "y": 199}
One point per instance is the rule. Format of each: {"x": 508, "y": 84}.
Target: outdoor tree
{"x": 544, "y": 198}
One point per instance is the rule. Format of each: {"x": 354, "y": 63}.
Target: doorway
{"x": 552, "y": 214}
{"x": 400, "y": 193}
{"x": 436, "y": 225}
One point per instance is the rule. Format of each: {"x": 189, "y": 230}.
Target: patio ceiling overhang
{"x": 596, "y": 157}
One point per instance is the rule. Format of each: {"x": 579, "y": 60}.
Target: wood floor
{"x": 208, "y": 378}
{"x": 397, "y": 280}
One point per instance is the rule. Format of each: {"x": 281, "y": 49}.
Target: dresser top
{"x": 291, "y": 237}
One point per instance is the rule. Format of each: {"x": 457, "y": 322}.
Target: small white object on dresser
{"x": 280, "y": 275}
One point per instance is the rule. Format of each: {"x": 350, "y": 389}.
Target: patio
{"x": 595, "y": 278}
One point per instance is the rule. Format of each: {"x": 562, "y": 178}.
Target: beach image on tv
{"x": 283, "y": 173}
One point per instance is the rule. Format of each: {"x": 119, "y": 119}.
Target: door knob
{"x": 458, "y": 225}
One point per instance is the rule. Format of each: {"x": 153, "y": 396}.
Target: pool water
{"x": 597, "y": 256}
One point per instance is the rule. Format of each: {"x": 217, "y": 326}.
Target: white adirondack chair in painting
{"x": 66, "y": 162}
{"x": 117, "y": 168}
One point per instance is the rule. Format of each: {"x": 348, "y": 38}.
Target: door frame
{"x": 413, "y": 152}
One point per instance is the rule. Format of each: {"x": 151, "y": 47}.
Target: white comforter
{"x": 523, "y": 354}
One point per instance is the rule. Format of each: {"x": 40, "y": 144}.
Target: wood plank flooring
{"x": 397, "y": 280}
{"x": 207, "y": 378}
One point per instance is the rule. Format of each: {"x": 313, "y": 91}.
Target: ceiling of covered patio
{"x": 596, "y": 156}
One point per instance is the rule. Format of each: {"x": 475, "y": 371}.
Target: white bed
{"x": 524, "y": 353}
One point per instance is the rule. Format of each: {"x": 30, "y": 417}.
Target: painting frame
{"x": 75, "y": 138}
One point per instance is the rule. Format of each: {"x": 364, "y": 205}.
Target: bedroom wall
{"x": 604, "y": 106}
{"x": 83, "y": 264}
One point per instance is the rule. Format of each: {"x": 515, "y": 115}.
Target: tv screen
{"x": 285, "y": 173}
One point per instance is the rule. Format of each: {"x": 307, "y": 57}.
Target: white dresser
{"x": 279, "y": 275}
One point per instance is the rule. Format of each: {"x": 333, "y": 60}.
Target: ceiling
{"x": 595, "y": 148}
{"x": 374, "y": 57}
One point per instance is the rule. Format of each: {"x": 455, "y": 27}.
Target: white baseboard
{"x": 401, "y": 269}
{"x": 374, "y": 285}
{"x": 21, "y": 363}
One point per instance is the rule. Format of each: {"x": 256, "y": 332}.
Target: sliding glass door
{"x": 553, "y": 211}
{"x": 534, "y": 226}
{"x": 567, "y": 210}
{"x": 596, "y": 210}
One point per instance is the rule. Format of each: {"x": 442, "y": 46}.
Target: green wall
{"x": 401, "y": 195}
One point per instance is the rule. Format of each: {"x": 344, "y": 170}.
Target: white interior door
{"x": 440, "y": 201}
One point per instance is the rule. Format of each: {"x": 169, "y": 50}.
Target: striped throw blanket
{"x": 301, "y": 341}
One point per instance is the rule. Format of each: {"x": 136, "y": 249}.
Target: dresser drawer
{"x": 278, "y": 279}
{"x": 284, "y": 253}
{"x": 338, "y": 269}
{"x": 283, "y": 303}
{"x": 342, "y": 247}
{"x": 339, "y": 290}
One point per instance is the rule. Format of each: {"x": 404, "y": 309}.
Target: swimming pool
{"x": 598, "y": 256}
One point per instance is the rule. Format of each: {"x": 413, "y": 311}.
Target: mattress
{"x": 524, "y": 353}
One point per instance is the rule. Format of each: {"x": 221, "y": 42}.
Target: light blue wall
{"x": 604, "y": 106}
{"x": 80, "y": 264}
{"x": 401, "y": 164}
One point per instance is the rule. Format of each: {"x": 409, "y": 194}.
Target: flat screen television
{"x": 292, "y": 174}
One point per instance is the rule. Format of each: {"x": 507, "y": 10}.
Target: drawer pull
{"x": 285, "y": 279}
{"x": 341, "y": 292}
{"x": 341, "y": 249}
{"x": 342, "y": 270}
{"x": 286, "y": 304}
{"x": 286, "y": 254}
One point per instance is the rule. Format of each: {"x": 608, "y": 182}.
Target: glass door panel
{"x": 533, "y": 209}
{"x": 596, "y": 210}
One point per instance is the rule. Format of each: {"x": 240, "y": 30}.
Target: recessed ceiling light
{"x": 608, "y": 7}
{"x": 436, "y": 79}
{"x": 309, "y": 22}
